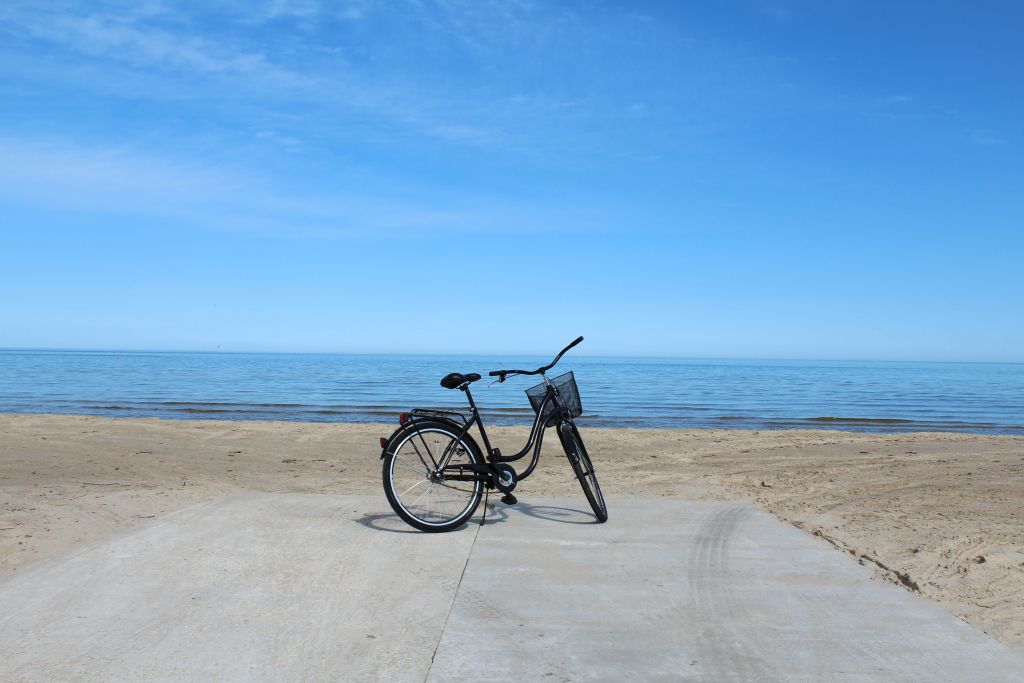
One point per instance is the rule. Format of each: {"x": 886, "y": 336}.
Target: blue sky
{"x": 727, "y": 179}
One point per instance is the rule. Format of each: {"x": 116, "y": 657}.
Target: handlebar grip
{"x": 495, "y": 373}
{"x": 563, "y": 351}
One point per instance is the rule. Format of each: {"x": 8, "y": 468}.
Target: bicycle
{"x": 438, "y": 488}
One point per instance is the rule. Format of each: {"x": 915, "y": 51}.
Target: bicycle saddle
{"x": 454, "y": 380}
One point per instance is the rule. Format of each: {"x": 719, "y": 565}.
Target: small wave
{"x": 226, "y": 404}
{"x": 883, "y": 425}
{"x": 101, "y": 407}
{"x": 860, "y": 420}
{"x": 353, "y": 411}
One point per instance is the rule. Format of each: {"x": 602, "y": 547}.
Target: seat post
{"x": 469, "y": 396}
{"x": 476, "y": 417}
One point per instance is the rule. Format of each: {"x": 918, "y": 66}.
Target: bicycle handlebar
{"x": 502, "y": 374}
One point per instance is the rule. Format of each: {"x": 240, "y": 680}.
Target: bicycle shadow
{"x": 391, "y": 523}
{"x": 495, "y": 512}
{"x": 498, "y": 512}
{"x": 385, "y": 521}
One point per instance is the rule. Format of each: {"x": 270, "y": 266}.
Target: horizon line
{"x": 583, "y": 355}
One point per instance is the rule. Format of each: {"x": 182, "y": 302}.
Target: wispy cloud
{"x": 103, "y": 36}
{"x": 126, "y": 36}
{"x": 898, "y": 99}
{"x": 57, "y": 174}
{"x": 985, "y": 137}
{"x": 778, "y": 12}
{"x": 163, "y": 51}
{"x": 60, "y": 176}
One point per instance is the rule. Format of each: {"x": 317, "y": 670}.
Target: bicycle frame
{"x": 494, "y": 456}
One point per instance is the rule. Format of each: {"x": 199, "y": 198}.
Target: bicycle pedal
{"x": 509, "y": 499}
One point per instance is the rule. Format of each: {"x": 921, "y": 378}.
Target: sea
{"x": 985, "y": 398}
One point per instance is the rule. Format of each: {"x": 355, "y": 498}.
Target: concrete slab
{"x": 317, "y": 587}
{"x": 272, "y": 587}
{"x": 691, "y": 591}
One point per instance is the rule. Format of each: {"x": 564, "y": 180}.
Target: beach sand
{"x": 938, "y": 513}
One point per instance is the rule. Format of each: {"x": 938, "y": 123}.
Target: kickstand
{"x": 487, "y": 495}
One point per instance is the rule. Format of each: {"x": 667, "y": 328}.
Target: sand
{"x": 939, "y": 514}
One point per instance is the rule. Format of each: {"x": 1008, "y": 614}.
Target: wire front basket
{"x": 568, "y": 396}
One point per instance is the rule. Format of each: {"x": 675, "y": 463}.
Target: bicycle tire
{"x": 578, "y": 457}
{"x": 397, "y": 449}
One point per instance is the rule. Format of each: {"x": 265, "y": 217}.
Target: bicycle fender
{"x": 386, "y": 443}
{"x": 445, "y": 421}
{"x": 414, "y": 424}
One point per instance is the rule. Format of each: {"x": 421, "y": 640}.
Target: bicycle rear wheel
{"x": 583, "y": 467}
{"x": 425, "y": 498}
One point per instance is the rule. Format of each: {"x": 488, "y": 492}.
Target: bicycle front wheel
{"x": 583, "y": 467}
{"x": 424, "y": 497}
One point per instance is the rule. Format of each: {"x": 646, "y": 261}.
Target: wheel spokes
{"x": 441, "y": 500}
{"x": 413, "y": 486}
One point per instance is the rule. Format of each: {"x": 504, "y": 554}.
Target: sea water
{"x": 615, "y": 392}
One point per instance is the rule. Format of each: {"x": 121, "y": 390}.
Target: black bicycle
{"x": 435, "y": 473}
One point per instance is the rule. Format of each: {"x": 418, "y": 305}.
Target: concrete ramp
{"x": 317, "y": 587}
{"x": 671, "y": 590}
{"x": 269, "y": 587}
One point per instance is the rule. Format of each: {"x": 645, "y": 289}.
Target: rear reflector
{"x": 383, "y": 442}
{"x": 403, "y": 418}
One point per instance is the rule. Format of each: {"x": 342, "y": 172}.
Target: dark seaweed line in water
{"x": 243, "y": 410}
{"x": 508, "y": 416}
{"x": 255, "y": 408}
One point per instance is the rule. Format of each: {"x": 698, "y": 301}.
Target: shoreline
{"x": 936, "y": 512}
{"x": 519, "y": 416}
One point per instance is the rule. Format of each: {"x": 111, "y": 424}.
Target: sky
{"x": 821, "y": 180}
